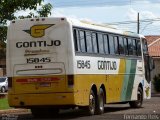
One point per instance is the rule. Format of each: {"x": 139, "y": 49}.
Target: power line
{"x": 131, "y": 22}
{"x": 131, "y": 25}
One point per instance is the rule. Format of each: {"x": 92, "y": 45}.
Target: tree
{"x": 8, "y": 8}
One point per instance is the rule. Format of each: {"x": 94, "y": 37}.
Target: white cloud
{"x": 143, "y": 15}
{"x": 57, "y": 13}
{"x": 148, "y": 15}
{"x": 61, "y": 13}
{"x": 132, "y": 14}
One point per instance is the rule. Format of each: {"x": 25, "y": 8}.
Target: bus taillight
{"x": 70, "y": 80}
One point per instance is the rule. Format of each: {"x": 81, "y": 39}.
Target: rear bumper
{"x": 47, "y": 99}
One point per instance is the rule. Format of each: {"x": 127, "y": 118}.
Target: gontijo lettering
{"x": 38, "y": 44}
{"x": 107, "y": 65}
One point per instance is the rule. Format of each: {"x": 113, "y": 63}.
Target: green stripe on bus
{"x": 125, "y": 81}
{"x": 131, "y": 79}
{"x": 128, "y": 80}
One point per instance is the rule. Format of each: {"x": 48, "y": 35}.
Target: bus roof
{"x": 101, "y": 27}
{"x": 86, "y": 25}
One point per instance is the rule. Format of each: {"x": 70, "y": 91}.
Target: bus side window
{"x": 82, "y": 41}
{"x": 106, "y": 46}
{"x": 139, "y": 53}
{"x": 100, "y": 43}
{"x": 145, "y": 48}
{"x": 111, "y": 45}
{"x": 76, "y": 40}
{"x": 89, "y": 42}
{"x": 134, "y": 47}
{"x": 125, "y": 46}
{"x": 116, "y": 45}
{"x": 121, "y": 45}
{"x": 94, "y": 40}
{"x": 130, "y": 46}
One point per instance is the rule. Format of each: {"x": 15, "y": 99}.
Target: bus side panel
{"x": 83, "y": 84}
{"x": 120, "y": 79}
{"x": 120, "y": 86}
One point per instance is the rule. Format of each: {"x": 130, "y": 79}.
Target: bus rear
{"x": 37, "y": 64}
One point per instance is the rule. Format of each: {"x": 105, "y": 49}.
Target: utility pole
{"x": 138, "y": 23}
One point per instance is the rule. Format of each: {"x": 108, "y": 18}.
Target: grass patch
{"x": 4, "y": 103}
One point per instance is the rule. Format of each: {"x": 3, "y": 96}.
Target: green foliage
{"x": 2, "y": 53}
{"x": 9, "y": 7}
{"x": 45, "y": 10}
{"x": 156, "y": 82}
{"x": 4, "y": 103}
{"x": 3, "y": 33}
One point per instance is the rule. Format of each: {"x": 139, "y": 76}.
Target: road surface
{"x": 149, "y": 111}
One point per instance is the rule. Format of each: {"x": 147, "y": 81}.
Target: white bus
{"x": 55, "y": 63}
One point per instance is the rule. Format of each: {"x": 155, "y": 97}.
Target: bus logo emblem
{"x": 37, "y": 31}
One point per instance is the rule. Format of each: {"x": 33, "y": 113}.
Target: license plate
{"x": 45, "y": 84}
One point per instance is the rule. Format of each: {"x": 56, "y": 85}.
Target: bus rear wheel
{"x": 100, "y": 102}
{"x": 90, "y": 109}
{"x": 139, "y": 101}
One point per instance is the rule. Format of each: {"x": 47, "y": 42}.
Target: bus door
{"x": 146, "y": 61}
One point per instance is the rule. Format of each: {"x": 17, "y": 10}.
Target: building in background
{"x": 2, "y": 67}
{"x": 153, "y": 42}
{"x": 2, "y": 58}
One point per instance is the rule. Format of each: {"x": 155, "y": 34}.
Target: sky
{"x": 121, "y": 14}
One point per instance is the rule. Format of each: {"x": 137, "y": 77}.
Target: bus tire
{"x": 100, "y": 102}
{"x": 139, "y": 101}
{"x": 90, "y": 109}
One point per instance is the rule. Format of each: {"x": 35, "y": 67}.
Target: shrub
{"x": 156, "y": 82}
